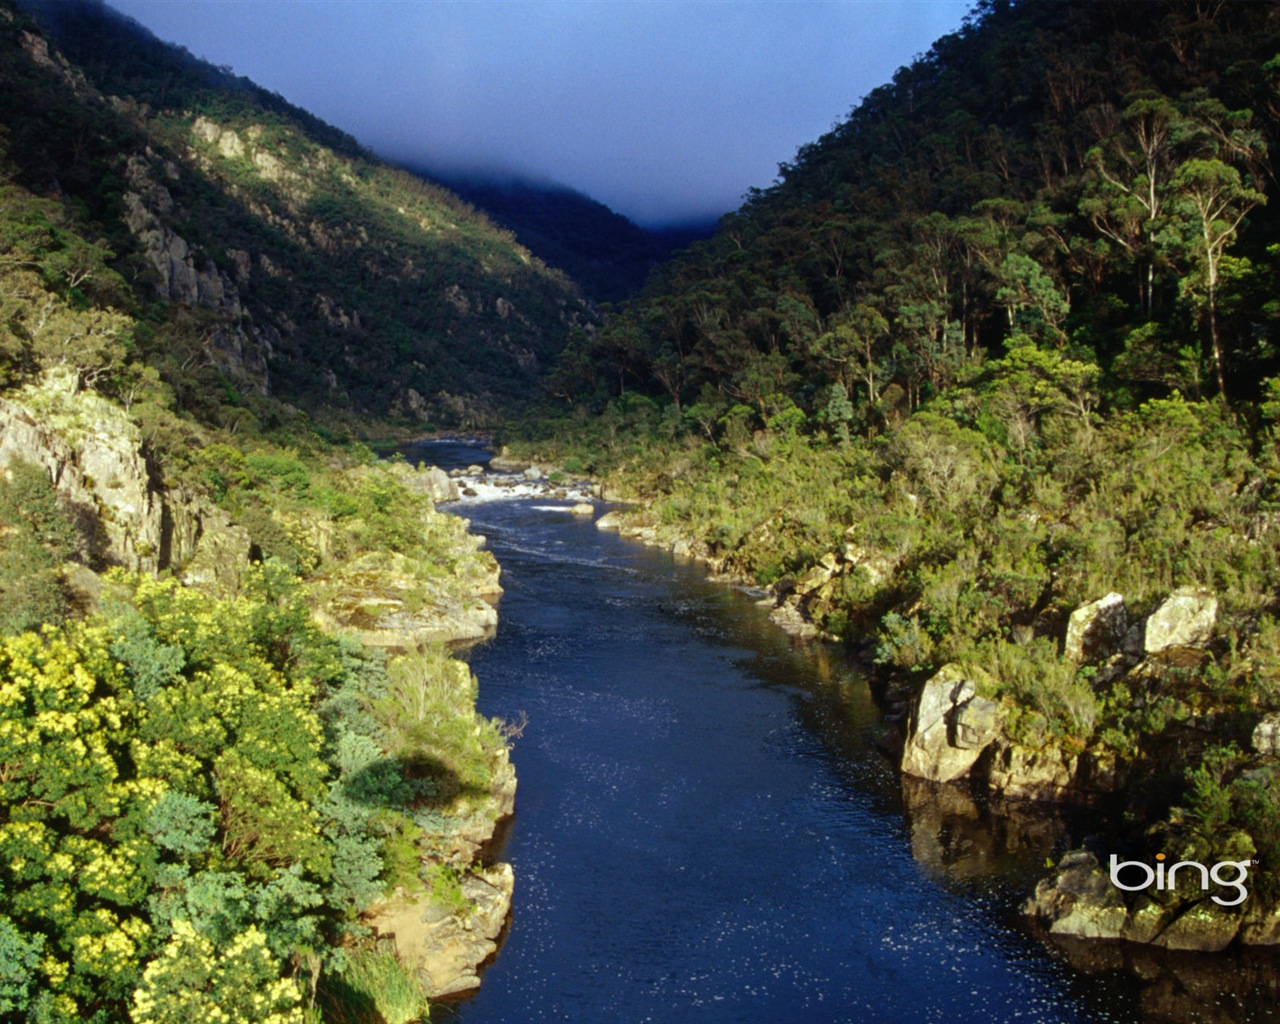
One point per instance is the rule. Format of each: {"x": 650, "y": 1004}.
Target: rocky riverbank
{"x": 961, "y": 729}
{"x": 433, "y": 583}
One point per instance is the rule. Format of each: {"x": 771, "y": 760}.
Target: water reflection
{"x": 961, "y": 839}
{"x": 971, "y": 841}
{"x": 1206, "y": 988}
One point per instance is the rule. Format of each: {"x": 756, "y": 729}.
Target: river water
{"x": 706, "y": 832}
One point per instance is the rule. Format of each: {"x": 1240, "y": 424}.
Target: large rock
{"x": 1184, "y": 619}
{"x": 1205, "y": 927}
{"x": 432, "y": 481}
{"x": 1078, "y": 899}
{"x": 1096, "y": 630}
{"x": 1266, "y": 734}
{"x": 946, "y": 730}
{"x": 1025, "y": 773}
{"x": 448, "y": 949}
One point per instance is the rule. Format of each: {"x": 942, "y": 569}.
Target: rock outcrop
{"x": 448, "y": 942}
{"x": 180, "y": 275}
{"x": 380, "y": 599}
{"x": 1185, "y": 618}
{"x": 106, "y": 485}
{"x": 447, "y": 948}
{"x": 1096, "y": 630}
{"x": 949, "y": 725}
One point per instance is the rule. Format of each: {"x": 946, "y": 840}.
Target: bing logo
{"x": 1164, "y": 878}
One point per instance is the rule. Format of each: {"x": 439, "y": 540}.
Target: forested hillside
{"x": 230, "y": 734}
{"x": 299, "y": 265}
{"x": 1001, "y": 345}
{"x": 607, "y": 255}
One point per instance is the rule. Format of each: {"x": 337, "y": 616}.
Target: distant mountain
{"x": 283, "y": 255}
{"x": 603, "y": 251}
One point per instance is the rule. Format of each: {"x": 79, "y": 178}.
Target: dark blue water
{"x": 705, "y": 831}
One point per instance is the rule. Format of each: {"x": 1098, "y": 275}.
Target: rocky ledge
{"x": 448, "y": 941}
{"x": 447, "y": 947}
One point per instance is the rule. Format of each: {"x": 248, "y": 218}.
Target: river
{"x": 706, "y": 831}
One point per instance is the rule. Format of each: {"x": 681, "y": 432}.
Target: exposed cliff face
{"x": 105, "y": 483}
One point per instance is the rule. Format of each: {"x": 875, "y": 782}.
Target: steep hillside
{"x": 316, "y": 273}
{"x": 985, "y": 386}
{"x": 603, "y": 251}
{"x": 232, "y": 741}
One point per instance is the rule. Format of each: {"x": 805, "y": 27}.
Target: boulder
{"x": 1078, "y": 899}
{"x": 432, "y": 481}
{"x": 1204, "y": 927}
{"x": 1096, "y": 630}
{"x": 583, "y": 508}
{"x": 609, "y": 521}
{"x": 1184, "y": 619}
{"x": 1026, "y": 773}
{"x": 1266, "y": 734}
{"x": 438, "y": 485}
{"x": 939, "y": 718}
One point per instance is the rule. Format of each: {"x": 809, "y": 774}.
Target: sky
{"x": 664, "y": 110}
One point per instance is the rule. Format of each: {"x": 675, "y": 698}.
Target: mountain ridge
{"x": 318, "y": 244}
{"x": 607, "y": 253}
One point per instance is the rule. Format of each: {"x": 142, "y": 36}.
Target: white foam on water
{"x": 487, "y": 489}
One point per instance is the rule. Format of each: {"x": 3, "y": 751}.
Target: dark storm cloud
{"x": 662, "y": 110}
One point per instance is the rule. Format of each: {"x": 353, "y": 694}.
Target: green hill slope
{"x": 218, "y": 765}
{"x": 317, "y": 273}
{"x": 985, "y": 386}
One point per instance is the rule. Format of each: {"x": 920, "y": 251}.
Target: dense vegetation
{"x": 201, "y": 790}
{"x": 325, "y": 277}
{"x": 1002, "y": 342}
